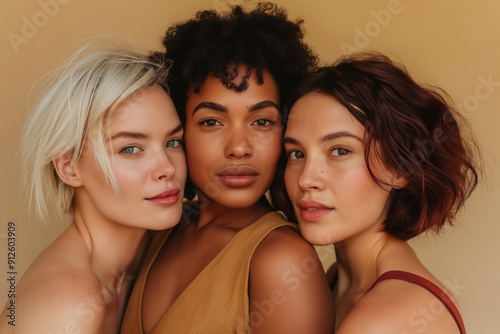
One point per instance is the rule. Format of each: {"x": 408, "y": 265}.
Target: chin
{"x": 237, "y": 199}
{"x": 168, "y": 220}
{"x": 315, "y": 235}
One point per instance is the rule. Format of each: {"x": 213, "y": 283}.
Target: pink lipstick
{"x": 165, "y": 198}
{"x": 312, "y": 211}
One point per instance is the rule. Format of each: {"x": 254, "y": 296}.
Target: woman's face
{"x": 233, "y": 140}
{"x": 145, "y": 149}
{"x": 332, "y": 192}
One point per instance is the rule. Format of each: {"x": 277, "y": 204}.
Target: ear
{"x": 399, "y": 182}
{"x": 66, "y": 170}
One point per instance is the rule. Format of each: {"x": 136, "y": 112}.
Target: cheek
{"x": 267, "y": 139}
{"x": 268, "y": 147}
{"x": 200, "y": 162}
{"x": 90, "y": 171}
{"x": 179, "y": 163}
{"x": 199, "y": 157}
{"x": 355, "y": 179}
{"x": 129, "y": 179}
{"x": 291, "y": 176}
{"x": 193, "y": 151}
{"x": 358, "y": 187}
{"x": 199, "y": 147}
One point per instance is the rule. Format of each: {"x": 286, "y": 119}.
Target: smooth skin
{"x": 337, "y": 202}
{"x": 79, "y": 283}
{"x": 230, "y": 131}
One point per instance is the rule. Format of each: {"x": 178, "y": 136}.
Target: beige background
{"x": 450, "y": 43}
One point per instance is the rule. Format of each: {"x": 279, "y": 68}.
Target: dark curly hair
{"x": 420, "y": 136}
{"x": 212, "y": 43}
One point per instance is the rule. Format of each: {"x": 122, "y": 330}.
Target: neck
{"x": 212, "y": 212}
{"x": 115, "y": 250}
{"x": 358, "y": 259}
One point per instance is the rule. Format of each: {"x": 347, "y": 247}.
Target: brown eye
{"x": 210, "y": 122}
{"x": 263, "y": 122}
{"x": 295, "y": 155}
{"x": 340, "y": 151}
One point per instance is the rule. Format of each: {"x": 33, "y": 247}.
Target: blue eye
{"x": 174, "y": 143}
{"x": 129, "y": 150}
{"x": 295, "y": 155}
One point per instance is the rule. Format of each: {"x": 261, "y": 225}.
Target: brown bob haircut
{"x": 419, "y": 135}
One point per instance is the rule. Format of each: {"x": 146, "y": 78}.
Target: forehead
{"x": 214, "y": 88}
{"x": 146, "y": 105}
{"x": 318, "y": 115}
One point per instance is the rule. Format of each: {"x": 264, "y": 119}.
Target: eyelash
{"x": 269, "y": 122}
{"x": 178, "y": 143}
{"x": 122, "y": 151}
{"x": 289, "y": 154}
{"x": 345, "y": 150}
{"x": 342, "y": 148}
{"x": 205, "y": 121}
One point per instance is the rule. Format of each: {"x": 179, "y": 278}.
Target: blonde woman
{"x": 104, "y": 144}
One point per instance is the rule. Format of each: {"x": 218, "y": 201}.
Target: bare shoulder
{"x": 59, "y": 298}
{"x": 285, "y": 254}
{"x": 395, "y": 306}
{"x": 286, "y": 241}
{"x": 286, "y": 279}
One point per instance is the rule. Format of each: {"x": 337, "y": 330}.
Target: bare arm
{"x": 288, "y": 288}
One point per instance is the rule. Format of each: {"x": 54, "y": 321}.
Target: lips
{"x": 238, "y": 176}
{"x": 312, "y": 211}
{"x": 165, "y": 198}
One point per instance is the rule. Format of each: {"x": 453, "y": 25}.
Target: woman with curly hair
{"x": 375, "y": 159}
{"x": 233, "y": 264}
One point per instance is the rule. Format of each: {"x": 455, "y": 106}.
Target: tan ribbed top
{"x": 216, "y": 301}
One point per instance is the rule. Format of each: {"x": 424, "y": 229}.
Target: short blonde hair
{"x": 72, "y": 111}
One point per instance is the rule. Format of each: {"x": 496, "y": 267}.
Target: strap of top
{"x": 220, "y": 291}
{"x": 429, "y": 286}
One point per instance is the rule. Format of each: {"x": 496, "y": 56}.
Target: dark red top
{"x": 429, "y": 286}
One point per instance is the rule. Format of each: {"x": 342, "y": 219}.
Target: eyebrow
{"x": 340, "y": 134}
{"x": 221, "y": 108}
{"x": 175, "y": 130}
{"x": 326, "y": 138}
{"x": 263, "y": 105}
{"x": 210, "y": 105}
{"x": 138, "y": 135}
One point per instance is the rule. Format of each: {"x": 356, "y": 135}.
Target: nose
{"x": 163, "y": 167}
{"x": 239, "y": 145}
{"x": 311, "y": 176}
